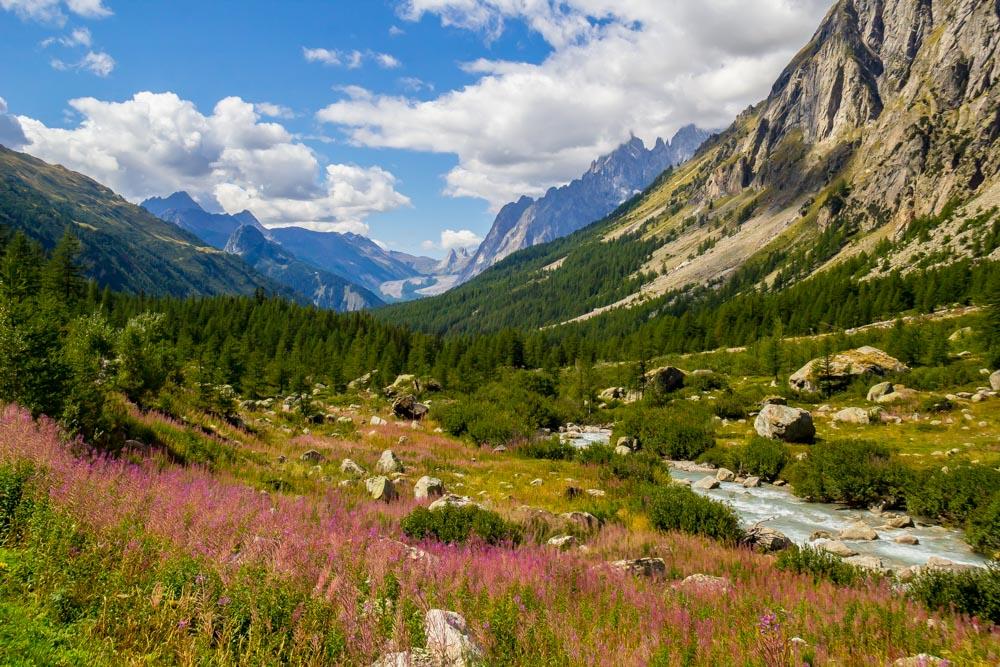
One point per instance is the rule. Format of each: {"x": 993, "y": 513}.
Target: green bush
{"x": 953, "y": 496}
{"x": 15, "y": 502}
{"x": 456, "y": 525}
{"x": 983, "y": 529}
{"x": 551, "y": 449}
{"x": 763, "y": 457}
{"x": 730, "y": 406}
{"x": 819, "y": 564}
{"x": 639, "y": 467}
{"x": 936, "y": 404}
{"x": 720, "y": 457}
{"x": 596, "y": 455}
{"x": 675, "y": 507}
{"x": 678, "y": 431}
{"x": 855, "y": 472}
{"x": 975, "y": 592}
{"x": 705, "y": 381}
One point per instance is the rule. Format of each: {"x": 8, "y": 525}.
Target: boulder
{"x": 388, "y": 463}
{"x": 403, "y": 384}
{"x": 852, "y": 416}
{"x": 450, "y": 500}
{"x": 428, "y": 487}
{"x": 879, "y": 390}
{"x": 995, "y": 380}
{"x": 449, "y": 641}
{"x": 362, "y": 382}
{"x": 907, "y": 539}
{"x": 844, "y": 367}
{"x": 921, "y": 660}
{"x": 872, "y": 563}
{"x": 898, "y": 521}
{"x": 705, "y": 583}
{"x": 377, "y": 421}
{"x": 349, "y": 467}
{"x": 774, "y": 400}
{"x": 838, "y": 548}
{"x": 820, "y": 535}
{"x": 312, "y": 456}
{"x": 781, "y": 422}
{"x": 858, "y": 531}
{"x": 665, "y": 379}
{"x": 415, "y": 658}
{"x": 612, "y": 394}
{"x": 766, "y": 540}
{"x": 623, "y": 450}
{"x": 381, "y": 488}
{"x": 407, "y": 407}
{"x": 706, "y": 483}
{"x": 563, "y": 542}
{"x": 751, "y": 482}
{"x": 644, "y": 567}
{"x": 899, "y": 393}
{"x": 725, "y": 475}
{"x": 584, "y": 520}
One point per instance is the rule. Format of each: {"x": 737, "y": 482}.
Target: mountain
{"x": 611, "y": 180}
{"x": 322, "y": 288}
{"x": 878, "y": 149}
{"x": 212, "y": 228}
{"x": 123, "y": 246}
{"x": 456, "y": 261}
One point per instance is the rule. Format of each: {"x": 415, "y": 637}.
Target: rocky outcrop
{"x": 840, "y": 369}
{"x": 782, "y": 422}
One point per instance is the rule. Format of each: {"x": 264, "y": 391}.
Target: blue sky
{"x": 432, "y": 113}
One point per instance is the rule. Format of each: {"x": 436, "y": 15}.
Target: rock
{"x": 428, "y": 487}
{"x": 622, "y": 450}
{"x": 858, "y": 531}
{"x": 536, "y": 482}
{"x": 866, "y": 563}
{"x": 377, "y": 421}
{"x": 612, "y": 394}
{"x": 781, "y": 422}
{"x": 449, "y": 641}
{"x": 706, "y": 483}
{"x": 899, "y": 393}
{"x": 362, "y": 382}
{"x": 644, "y": 567}
{"x": 943, "y": 564}
{"x": 907, "y": 539}
{"x": 766, "y": 540}
{"x": 820, "y": 535}
{"x": 725, "y": 475}
{"x": 415, "y": 658}
{"x": 584, "y": 520}
{"x": 407, "y": 407}
{"x": 665, "y": 379}
{"x": 349, "y": 467}
{"x": 846, "y": 366}
{"x": 879, "y": 390}
{"x": 779, "y": 482}
{"x": 312, "y": 456}
{"x": 838, "y": 548}
{"x": 388, "y": 463}
{"x": 852, "y": 416}
{"x": 898, "y": 521}
{"x": 596, "y": 493}
{"x": 751, "y": 482}
{"x": 774, "y": 400}
{"x": 921, "y": 660}
{"x": 995, "y": 380}
{"x": 403, "y": 384}
{"x": 450, "y": 500}
{"x": 381, "y": 488}
{"x": 563, "y": 542}
{"x": 705, "y": 582}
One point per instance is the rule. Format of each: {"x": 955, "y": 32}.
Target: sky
{"x": 409, "y": 121}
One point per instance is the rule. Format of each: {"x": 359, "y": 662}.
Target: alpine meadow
{"x": 461, "y": 333}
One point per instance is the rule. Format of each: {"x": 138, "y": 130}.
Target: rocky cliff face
{"x": 212, "y": 228}
{"x": 611, "y": 180}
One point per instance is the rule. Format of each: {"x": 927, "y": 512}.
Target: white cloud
{"x": 157, "y": 143}
{"x": 51, "y": 11}
{"x": 11, "y": 134}
{"x": 78, "y": 37}
{"x": 274, "y": 110}
{"x": 463, "y": 238}
{"x": 415, "y": 85}
{"x": 349, "y": 59}
{"x": 98, "y": 63}
{"x": 396, "y": 31}
{"x": 616, "y": 67}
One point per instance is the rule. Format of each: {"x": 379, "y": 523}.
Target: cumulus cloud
{"x": 349, "y": 59}
{"x": 615, "y": 67}
{"x": 157, "y": 143}
{"x": 462, "y": 238}
{"x": 54, "y": 11}
{"x": 11, "y": 134}
{"x": 274, "y": 110}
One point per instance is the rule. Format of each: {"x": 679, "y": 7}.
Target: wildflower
{"x": 769, "y": 623}
{"x": 223, "y": 601}
{"x": 199, "y": 579}
{"x": 182, "y": 624}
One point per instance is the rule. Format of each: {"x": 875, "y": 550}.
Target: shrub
{"x": 819, "y": 564}
{"x": 705, "y": 381}
{"x": 763, "y": 457}
{"x": 456, "y": 525}
{"x": 936, "y": 404}
{"x": 720, "y": 457}
{"x": 730, "y": 406}
{"x": 640, "y": 467}
{"x": 551, "y": 449}
{"x": 596, "y": 455}
{"x": 677, "y": 432}
{"x": 983, "y": 529}
{"x": 975, "y": 592}
{"x": 855, "y": 472}
{"x": 677, "y": 508}
{"x": 952, "y": 496}
{"x": 15, "y": 503}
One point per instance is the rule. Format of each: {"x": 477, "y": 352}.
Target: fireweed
{"x": 219, "y": 566}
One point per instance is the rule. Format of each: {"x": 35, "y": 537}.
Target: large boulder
{"x": 349, "y": 467}
{"x": 844, "y": 367}
{"x": 362, "y": 382}
{"x": 450, "y": 500}
{"x": 449, "y": 641}
{"x": 706, "y": 483}
{"x": 428, "y": 487}
{"x": 584, "y": 520}
{"x": 852, "y": 416}
{"x": 389, "y": 463}
{"x": 312, "y": 456}
{"x": 838, "y": 548}
{"x": 766, "y": 540}
{"x": 403, "y": 384}
{"x": 644, "y": 567}
{"x": 858, "y": 531}
{"x": 995, "y": 380}
{"x": 879, "y": 390}
{"x": 782, "y": 422}
{"x": 407, "y": 407}
{"x": 665, "y": 380}
{"x": 725, "y": 475}
{"x": 381, "y": 488}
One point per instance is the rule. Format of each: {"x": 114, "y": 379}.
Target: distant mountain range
{"x": 212, "y": 228}
{"x": 123, "y": 246}
{"x": 611, "y": 180}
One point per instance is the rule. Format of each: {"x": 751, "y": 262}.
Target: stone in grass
{"x": 349, "y": 467}
{"x": 706, "y": 483}
{"x": 645, "y": 567}
{"x": 563, "y": 542}
{"x": 781, "y": 422}
{"x": 388, "y": 463}
{"x": 381, "y": 488}
{"x": 921, "y": 660}
{"x": 428, "y": 487}
{"x": 766, "y": 540}
{"x": 697, "y": 583}
{"x": 312, "y": 456}
{"x": 450, "y": 500}
{"x": 449, "y": 641}
{"x": 584, "y": 520}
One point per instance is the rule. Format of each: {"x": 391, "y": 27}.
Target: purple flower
{"x": 223, "y": 601}
{"x": 183, "y": 623}
{"x": 199, "y": 579}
